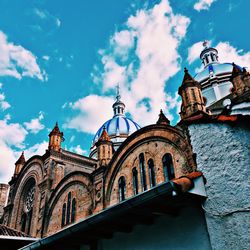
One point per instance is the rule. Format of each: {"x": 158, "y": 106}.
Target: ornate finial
{"x": 205, "y": 44}
{"x": 118, "y": 106}
{"x": 118, "y": 96}
{"x": 185, "y": 70}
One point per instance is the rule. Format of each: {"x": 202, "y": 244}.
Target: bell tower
{"x": 192, "y": 100}
{"x": 240, "y": 80}
{"x": 104, "y": 149}
{"x": 55, "y": 138}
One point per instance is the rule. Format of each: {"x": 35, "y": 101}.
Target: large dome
{"x": 215, "y": 69}
{"x": 214, "y": 78}
{"x": 118, "y": 128}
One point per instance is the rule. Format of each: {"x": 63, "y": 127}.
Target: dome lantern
{"x": 208, "y": 55}
{"x": 118, "y": 106}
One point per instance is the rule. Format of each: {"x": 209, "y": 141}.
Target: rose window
{"x": 29, "y": 201}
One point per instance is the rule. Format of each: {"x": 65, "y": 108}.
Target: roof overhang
{"x": 142, "y": 209}
{"x": 14, "y": 242}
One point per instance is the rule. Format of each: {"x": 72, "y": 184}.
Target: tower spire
{"x": 118, "y": 105}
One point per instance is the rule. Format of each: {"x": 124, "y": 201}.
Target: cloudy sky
{"x": 61, "y": 60}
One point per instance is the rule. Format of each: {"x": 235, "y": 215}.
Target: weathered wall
{"x": 155, "y": 150}
{"x": 185, "y": 231}
{"x": 83, "y": 205}
{"x": 223, "y": 155}
{"x": 4, "y": 188}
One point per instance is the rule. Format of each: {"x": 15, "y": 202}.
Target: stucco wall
{"x": 185, "y": 231}
{"x": 223, "y": 155}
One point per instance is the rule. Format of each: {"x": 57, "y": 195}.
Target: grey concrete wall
{"x": 223, "y": 155}
{"x": 185, "y": 231}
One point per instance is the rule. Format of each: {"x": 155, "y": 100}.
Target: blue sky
{"x": 61, "y": 60}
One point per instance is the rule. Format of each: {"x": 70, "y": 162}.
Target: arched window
{"x": 151, "y": 172}
{"x": 63, "y": 214}
{"x": 29, "y": 218}
{"x": 193, "y": 94}
{"x": 68, "y": 208}
{"x": 168, "y": 167}
{"x": 23, "y": 222}
{"x": 122, "y": 188}
{"x": 29, "y": 199}
{"x": 135, "y": 180}
{"x": 73, "y": 210}
{"x": 143, "y": 172}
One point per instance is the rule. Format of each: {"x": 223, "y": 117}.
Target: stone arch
{"x": 80, "y": 185}
{"x": 31, "y": 172}
{"x": 173, "y": 138}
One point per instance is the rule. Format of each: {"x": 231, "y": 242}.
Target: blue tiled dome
{"x": 117, "y": 126}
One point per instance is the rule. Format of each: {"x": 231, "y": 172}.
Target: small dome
{"x": 215, "y": 77}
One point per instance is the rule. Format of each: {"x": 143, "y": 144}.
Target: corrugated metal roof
{"x": 7, "y": 231}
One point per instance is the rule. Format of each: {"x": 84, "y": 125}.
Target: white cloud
{"x": 194, "y": 52}
{"x": 3, "y": 104}
{"x": 35, "y": 125}
{"x": 1, "y": 85}
{"x": 226, "y": 53}
{"x": 16, "y": 61}
{"x": 141, "y": 58}
{"x": 58, "y": 22}
{"x": 40, "y": 13}
{"x": 78, "y": 150}
{"x": 46, "y": 58}
{"x": 37, "y": 149}
{"x": 203, "y": 4}
{"x": 12, "y": 143}
{"x": 94, "y": 111}
{"x": 11, "y": 135}
{"x": 45, "y": 15}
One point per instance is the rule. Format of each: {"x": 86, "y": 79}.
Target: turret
{"x": 19, "y": 165}
{"x": 104, "y": 149}
{"x": 240, "y": 80}
{"x": 55, "y": 138}
{"x": 192, "y": 100}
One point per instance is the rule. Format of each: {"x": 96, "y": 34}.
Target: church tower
{"x": 192, "y": 100}
{"x": 55, "y": 138}
{"x": 240, "y": 79}
{"x": 19, "y": 164}
{"x": 104, "y": 149}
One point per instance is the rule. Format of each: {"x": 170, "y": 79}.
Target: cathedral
{"x": 154, "y": 187}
